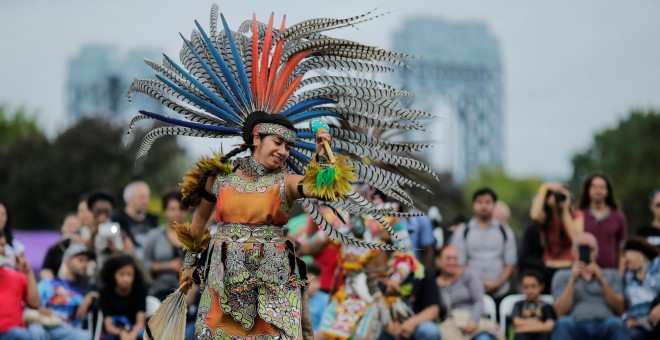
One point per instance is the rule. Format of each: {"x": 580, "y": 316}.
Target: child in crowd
{"x": 532, "y": 318}
{"x": 123, "y": 299}
{"x": 318, "y": 299}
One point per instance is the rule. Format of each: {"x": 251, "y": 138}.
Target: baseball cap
{"x": 74, "y": 250}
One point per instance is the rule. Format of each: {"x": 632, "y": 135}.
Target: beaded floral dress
{"x": 254, "y": 281}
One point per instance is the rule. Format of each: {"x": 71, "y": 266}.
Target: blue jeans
{"x": 426, "y": 330}
{"x": 16, "y": 333}
{"x": 611, "y": 328}
{"x": 63, "y": 331}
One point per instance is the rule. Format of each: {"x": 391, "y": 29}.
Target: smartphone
{"x": 109, "y": 229}
{"x": 584, "y": 251}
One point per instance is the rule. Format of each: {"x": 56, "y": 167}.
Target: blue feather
{"x": 192, "y": 125}
{"x": 304, "y": 145}
{"x": 306, "y": 105}
{"x": 294, "y": 167}
{"x": 312, "y": 114}
{"x": 300, "y": 156}
{"x": 308, "y": 146}
{"x": 216, "y": 111}
{"x": 226, "y": 72}
{"x": 216, "y": 80}
{"x": 242, "y": 75}
{"x": 305, "y": 134}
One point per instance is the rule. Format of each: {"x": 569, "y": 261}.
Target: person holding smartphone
{"x": 588, "y": 299}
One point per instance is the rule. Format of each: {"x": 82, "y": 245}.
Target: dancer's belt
{"x": 250, "y": 233}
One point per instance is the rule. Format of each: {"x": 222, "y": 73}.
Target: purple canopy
{"x": 36, "y": 245}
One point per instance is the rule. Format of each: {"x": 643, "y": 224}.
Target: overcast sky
{"x": 571, "y": 68}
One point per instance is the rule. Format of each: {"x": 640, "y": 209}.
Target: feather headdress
{"x": 223, "y": 76}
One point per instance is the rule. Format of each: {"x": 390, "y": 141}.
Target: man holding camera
{"x": 588, "y": 299}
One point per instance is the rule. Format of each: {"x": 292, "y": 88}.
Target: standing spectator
{"x": 603, "y": 219}
{"x": 134, "y": 218}
{"x": 420, "y": 230}
{"x": 502, "y": 213}
{"x": 642, "y": 285}
{"x": 123, "y": 299}
{"x": 652, "y": 231}
{"x": 17, "y": 287}
{"x": 462, "y": 294}
{"x": 53, "y": 259}
{"x": 163, "y": 252}
{"x": 486, "y": 246}
{"x": 533, "y": 319}
{"x": 557, "y": 223}
{"x": 588, "y": 299}
{"x": 86, "y": 219}
{"x": 69, "y": 298}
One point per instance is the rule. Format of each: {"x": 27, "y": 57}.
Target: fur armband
{"x": 194, "y": 181}
{"x": 190, "y": 244}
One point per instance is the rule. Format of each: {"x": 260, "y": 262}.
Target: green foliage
{"x": 516, "y": 192}
{"x": 15, "y": 124}
{"x": 46, "y": 178}
{"x": 630, "y": 155}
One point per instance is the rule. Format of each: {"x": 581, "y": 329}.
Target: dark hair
{"x": 7, "y": 231}
{"x": 100, "y": 195}
{"x": 2, "y": 234}
{"x": 641, "y": 245}
{"x": 258, "y": 117}
{"x": 585, "y": 200}
{"x": 171, "y": 195}
{"x": 655, "y": 192}
{"x": 532, "y": 273}
{"x": 314, "y": 269}
{"x": 483, "y": 192}
{"x": 112, "y": 264}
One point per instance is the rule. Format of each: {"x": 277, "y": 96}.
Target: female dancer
{"x": 258, "y": 83}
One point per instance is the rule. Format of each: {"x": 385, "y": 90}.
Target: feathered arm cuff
{"x": 194, "y": 180}
{"x": 328, "y": 181}
{"x": 191, "y": 244}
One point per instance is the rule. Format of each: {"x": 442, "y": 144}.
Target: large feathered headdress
{"x": 225, "y": 76}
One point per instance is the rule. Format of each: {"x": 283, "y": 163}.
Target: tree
{"x": 630, "y": 155}
{"x": 15, "y": 124}
{"x": 46, "y": 179}
{"x": 516, "y": 192}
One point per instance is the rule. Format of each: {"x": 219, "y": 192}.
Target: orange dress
{"x": 253, "y": 281}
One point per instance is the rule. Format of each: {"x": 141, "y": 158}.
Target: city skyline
{"x": 571, "y": 69}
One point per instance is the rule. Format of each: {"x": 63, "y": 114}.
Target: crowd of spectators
{"x": 578, "y": 274}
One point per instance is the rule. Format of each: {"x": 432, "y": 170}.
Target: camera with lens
{"x": 559, "y": 197}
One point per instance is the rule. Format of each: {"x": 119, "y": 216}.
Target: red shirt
{"x": 556, "y": 241}
{"x": 610, "y": 232}
{"x": 13, "y": 291}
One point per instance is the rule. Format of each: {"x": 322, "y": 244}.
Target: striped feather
{"x": 156, "y": 133}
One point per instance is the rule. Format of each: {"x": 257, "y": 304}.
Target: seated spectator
{"x": 588, "y": 299}
{"x": 163, "y": 252}
{"x": 487, "y": 246}
{"x": 17, "y": 287}
{"x": 13, "y": 246}
{"x": 53, "y": 259}
{"x": 557, "y": 223}
{"x": 101, "y": 204}
{"x": 69, "y": 298}
{"x": 123, "y": 299}
{"x": 414, "y": 286}
{"x": 461, "y": 292}
{"x": 318, "y": 299}
{"x": 652, "y": 231}
{"x": 533, "y": 319}
{"x": 134, "y": 218}
{"x": 642, "y": 284}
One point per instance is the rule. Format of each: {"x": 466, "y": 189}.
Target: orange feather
{"x": 265, "y": 54}
{"x": 288, "y": 93}
{"x": 288, "y": 68}
{"x": 274, "y": 65}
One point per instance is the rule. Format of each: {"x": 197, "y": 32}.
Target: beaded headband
{"x": 275, "y": 129}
